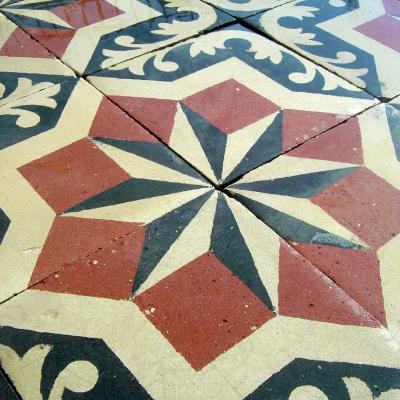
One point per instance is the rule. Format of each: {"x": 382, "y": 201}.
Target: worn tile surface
{"x": 89, "y": 35}
{"x": 356, "y": 39}
{"x": 230, "y": 100}
{"x": 217, "y": 219}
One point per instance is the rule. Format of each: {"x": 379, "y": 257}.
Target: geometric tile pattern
{"x": 337, "y": 203}
{"x": 351, "y": 38}
{"x": 89, "y": 35}
{"x": 220, "y": 220}
{"x": 26, "y": 68}
{"x": 226, "y": 110}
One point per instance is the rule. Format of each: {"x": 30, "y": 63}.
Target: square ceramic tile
{"x": 230, "y": 100}
{"x": 356, "y": 39}
{"x": 141, "y": 280}
{"x": 89, "y": 35}
{"x": 336, "y": 199}
{"x": 160, "y": 287}
{"x": 25, "y": 66}
{"x": 245, "y": 8}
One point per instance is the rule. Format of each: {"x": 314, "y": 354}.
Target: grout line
{"x": 253, "y": 13}
{"x": 10, "y": 383}
{"x": 35, "y": 93}
{"x": 185, "y": 39}
{"x": 232, "y": 196}
{"x": 66, "y": 266}
{"x": 247, "y": 25}
{"x": 221, "y": 188}
{"x": 78, "y": 74}
{"x": 213, "y": 184}
{"x": 225, "y": 185}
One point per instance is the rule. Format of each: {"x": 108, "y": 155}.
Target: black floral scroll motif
{"x": 335, "y": 380}
{"x": 114, "y": 380}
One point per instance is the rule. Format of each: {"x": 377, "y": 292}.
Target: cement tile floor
{"x": 199, "y": 199}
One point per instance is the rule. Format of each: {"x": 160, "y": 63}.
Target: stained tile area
{"x": 188, "y": 214}
{"x": 355, "y": 39}
{"x": 89, "y": 35}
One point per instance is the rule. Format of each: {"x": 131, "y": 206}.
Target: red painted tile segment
{"x": 230, "y": 106}
{"x": 305, "y": 292}
{"x": 19, "y": 44}
{"x": 56, "y": 40}
{"x": 111, "y": 122}
{"x": 73, "y": 174}
{"x": 203, "y": 310}
{"x": 157, "y": 115}
{"x": 108, "y": 272}
{"x": 72, "y": 239}
{"x": 299, "y": 126}
{"x": 365, "y": 204}
{"x": 340, "y": 144}
{"x": 85, "y": 12}
{"x": 355, "y": 271}
{"x": 384, "y": 29}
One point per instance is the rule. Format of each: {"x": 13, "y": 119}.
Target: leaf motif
{"x": 78, "y": 377}
{"x": 357, "y": 389}
{"x": 24, "y": 88}
{"x": 206, "y": 17}
{"x": 43, "y": 98}
{"x": 301, "y": 12}
{"x": 203, "y": 44}
{"x": 25, "y": 371}
{"x": 296, "y": 36}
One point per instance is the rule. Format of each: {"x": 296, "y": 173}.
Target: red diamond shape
{"x": 86, "y": 12}
{"x": 365, "y": 204}
{"x": 203, "y": 310}
{"x": 230, "y": 106}
{"x": 94, "y": 257}
{"x": 73, "y": 174}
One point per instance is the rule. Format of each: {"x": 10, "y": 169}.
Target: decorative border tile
{"x": 351, "y": 38}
